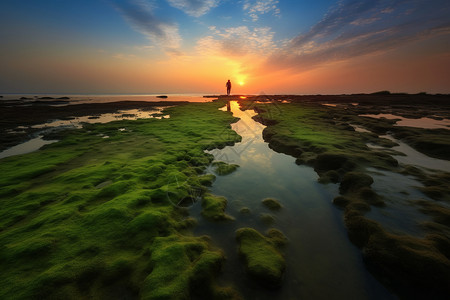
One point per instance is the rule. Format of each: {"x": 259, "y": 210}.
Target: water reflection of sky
{"x": 130, "y": 114}
{"x": 415, "y": 158}
{"x": 38, "y": 142}
{"x": 400, "y": 215}
{"x": 426, "y": 123}
{"x": 319, "y": 253}
{"x": 27, "y": 147}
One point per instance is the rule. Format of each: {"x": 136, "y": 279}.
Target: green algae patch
{"x": 272, "y": 204}
{"x": 213, "y": 208}
{"x": 263, "y": 260}
{"x": 222, "y": 168}
{"x": 267, "y": 219}
{"x": 245, "y": 210}
{"x": 180, "y": 267}
{"x": 96, "y": 218}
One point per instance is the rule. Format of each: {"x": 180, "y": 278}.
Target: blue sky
{"x": 110, "y": 45}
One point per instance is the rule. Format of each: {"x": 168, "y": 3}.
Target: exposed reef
{"x": 325, "y": 138}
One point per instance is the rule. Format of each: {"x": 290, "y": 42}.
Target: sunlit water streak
{"x": 321, "y": 262}
{"x": 427, "y": 123}
{"x": 27, "y": 147}
{"x": 77, "y": 122}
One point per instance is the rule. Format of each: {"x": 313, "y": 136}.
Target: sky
{"x": 195, "y": 46}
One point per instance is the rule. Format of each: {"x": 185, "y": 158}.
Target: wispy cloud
{"x": 255, "y": 8}
{"x": 237, "y": 42}
{"x": 357, "y": 28}
{"x": 195, "y": 8}
{"x": 139, "y": 14}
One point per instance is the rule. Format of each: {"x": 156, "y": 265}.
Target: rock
{"x": 162, "y": 96}
{"x": 267, "y": 219}
{"x": 272, "y": 204}
{"x": 353, "y": 181}
{"x": 222, "y": 168}
{"x": 263, "y": 260}
{"x": 214, "y": 208}
{"x": 244, "y": 210}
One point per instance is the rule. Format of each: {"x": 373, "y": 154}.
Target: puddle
{"x": 415, "y": 158}
{"x": 321, "y": 261}
{"x": 426, "y": 123}
{"x": 27, "y": 147}
{"x": 77, "y": 123}
{"x": 359, "y": 128}
{"x": 400, "y": 215}
{"x": 131, "y": 114}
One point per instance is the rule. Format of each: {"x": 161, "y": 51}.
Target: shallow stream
{"x": 321, "y": 261}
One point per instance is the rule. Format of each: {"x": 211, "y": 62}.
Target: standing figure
{"x": 228, "y": 87}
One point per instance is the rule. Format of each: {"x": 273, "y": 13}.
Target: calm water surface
{"x": 321, "y": 262}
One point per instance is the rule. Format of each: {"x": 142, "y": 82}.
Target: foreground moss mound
{"x": 264, "y": 262}
{"x": 92, "y": 217}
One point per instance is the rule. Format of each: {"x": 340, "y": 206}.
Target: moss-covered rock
{"x": 264, "y": 262}
{"x": 213, "y": 208}
{"x": 353, "y": 181}
{"x": 244, "y": 210}
{"x": 267, "y": 219}
{"x": 222, "y": 168}
{"x": 272, "y": 203}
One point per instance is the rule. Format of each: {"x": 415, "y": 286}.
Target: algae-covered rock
{"x": 329, "y": 161}
{"x": 276, "y": 237}
{"x": 181, "y": 266}
{"x": 330, "y": 176}
{"x": 214, "y": 208}
{"x": 272, "y": 204}
{"x": 341, "y": 201}
{"x": 267, "y": 219}
{"x": 222, "y": 168}
{"x": 353, "y": 181}
{"x": 244, "y": 210}
{"x": 263, "y": 260}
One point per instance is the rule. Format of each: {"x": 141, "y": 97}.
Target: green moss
{"x": 263, "y": 260}
{"x": 244, "y": 210}
{"x": 214, "y": 208}
{"x": 341, "y": 201}
{"x": 222, "y": 168}
{"x": 272, "y": 204}
{"x": 93, "y": 218}
{"x": 353, "y": 181}
{"x": 267, "y": 219}
{"x": 181, "y": 266}
{"x": 329, "y": 176}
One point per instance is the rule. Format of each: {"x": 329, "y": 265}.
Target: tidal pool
{"x": 415, "y": 158}
{"x": 129, "y": 114}
{"x": 419, "y": 123}
{"x": 77, "y": 122}
{"x": 27, "y": 147}
{"x": 321, "y": 261}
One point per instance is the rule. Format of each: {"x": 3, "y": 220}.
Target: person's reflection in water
{"x": 228, "y": 106}
{"x": 228, "y": 87}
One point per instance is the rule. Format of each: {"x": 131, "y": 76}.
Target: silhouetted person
{"x": 228, "y": 87}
